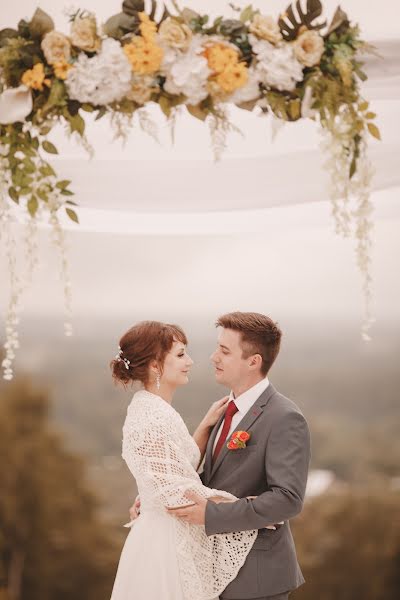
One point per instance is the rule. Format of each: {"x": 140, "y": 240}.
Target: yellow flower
{"x": 35, "y": 78}
{"x": 144, "y": 56}
{"x": 233, "y": 77}
{"x": 148, "y": 28}
{"x": 219, "y": 56}
{"x": 61, "y": 70}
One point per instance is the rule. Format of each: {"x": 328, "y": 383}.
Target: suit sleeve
{"x": 287, "y": 460}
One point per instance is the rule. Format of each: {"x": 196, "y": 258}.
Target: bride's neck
{"x": 165, "y": 392}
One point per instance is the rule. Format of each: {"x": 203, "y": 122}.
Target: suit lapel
{"x": 248, "y": 420}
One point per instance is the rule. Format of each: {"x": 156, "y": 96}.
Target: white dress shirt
{"x": 243, "y": 402}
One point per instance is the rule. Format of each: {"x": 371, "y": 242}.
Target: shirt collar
{"x": 247, "y": 399}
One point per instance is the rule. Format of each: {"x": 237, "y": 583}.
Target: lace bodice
{"x": 163, "y": 458}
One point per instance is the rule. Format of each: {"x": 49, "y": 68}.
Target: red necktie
{"x": 230, "y": 411}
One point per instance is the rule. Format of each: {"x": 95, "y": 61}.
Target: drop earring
{"x": 158, "y": 381}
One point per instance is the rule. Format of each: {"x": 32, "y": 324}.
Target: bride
{"x": 164, "y": 557}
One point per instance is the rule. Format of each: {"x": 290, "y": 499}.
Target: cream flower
{"x": 308, "y": 48}
{"x": 175, "y": 34}
{"x": 56, "y": 47}
{"x": 143, "y": 86}
{"x": 84, "y": 34}
{"x": 266, "y": 28}
{"x": 15, "y": 104}
{"x": 187, "y": 73}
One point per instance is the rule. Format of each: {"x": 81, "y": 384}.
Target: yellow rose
{"x": 144, "y": 56}
{"x": 175, "y": 34}
{"x": 35, "y": 78}
{"x": 62, "y": 69}
{"x": 56, "y": 47}
{"x": 308, "y": 48}
{"x": 84, "y": 34}
{"x": 266, "y": 28}
{"x": 233, "y": 77}
{"x": 219, "y": 56}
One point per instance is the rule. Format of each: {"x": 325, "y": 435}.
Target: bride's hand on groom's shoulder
{"x": 216, "y": 410}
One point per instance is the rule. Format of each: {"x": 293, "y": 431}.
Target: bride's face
{"x": 176, "y": 366}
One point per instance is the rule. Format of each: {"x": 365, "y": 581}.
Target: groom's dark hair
{"x": 259, "y": 335}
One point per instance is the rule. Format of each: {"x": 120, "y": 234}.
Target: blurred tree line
{"x": 52, "y": 544}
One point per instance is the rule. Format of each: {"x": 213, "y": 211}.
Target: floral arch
{"x": 294, "y": 66}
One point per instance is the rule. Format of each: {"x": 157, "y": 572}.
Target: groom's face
{"x": 230, "y": 366}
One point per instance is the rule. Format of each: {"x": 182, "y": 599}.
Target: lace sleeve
{"x": 159, "y": 461}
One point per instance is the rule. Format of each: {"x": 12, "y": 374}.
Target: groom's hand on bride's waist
{"x": 194, "y": 513}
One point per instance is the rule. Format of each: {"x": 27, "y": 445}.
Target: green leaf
{"x": 353, "y": 167}
{"x": 32, "y": 205}
{"x": 61, "y": 185}
{"x": 101, "y": 113}
{"x": 67, "y": 193}
{"x": 49, "y": 147}
{"x": 374, "y": 131}
{"x": 338, "y": 19}
{"x": 12, "y": 192}
{"x": 370, "y": 115}
{"x": 77, "y": 124}
{"x": 72, "y": 215}
{"x": 165, "y": 105}
{"x": 247, "y": 13}
{"x": 57, "y": 95}
{"x": 42, "y": 195}
{"x": 47, "y": 171}
{"x": 40, "y": 24}
{"x": 363, "y": 105}
{"x": 197, "y": 111}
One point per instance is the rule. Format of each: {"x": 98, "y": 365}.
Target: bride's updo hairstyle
{"x": 139, "y": 346}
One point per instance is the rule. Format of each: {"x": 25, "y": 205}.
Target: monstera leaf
{"x": 134, "y": 7}
{"x": 290, "y": 22}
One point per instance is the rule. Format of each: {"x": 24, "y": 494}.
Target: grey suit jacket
{"x": 273, "y": 467}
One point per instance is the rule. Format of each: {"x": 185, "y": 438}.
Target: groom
{"x": 273, "y": 465}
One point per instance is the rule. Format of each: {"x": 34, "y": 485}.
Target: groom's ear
{"x": 255, "y": 361}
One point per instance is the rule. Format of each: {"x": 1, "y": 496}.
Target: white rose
{"x": 308, "y": 48}
{"x": 174, "y": 34}
{"x": 84, "y": 34}
{"x": 56, "y": 47}
{"x": 265, "y": 28}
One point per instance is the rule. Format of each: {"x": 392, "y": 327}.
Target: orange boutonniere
{"x": 238, "y": 440}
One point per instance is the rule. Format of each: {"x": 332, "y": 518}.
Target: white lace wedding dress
{"x": 165, "y": 558}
